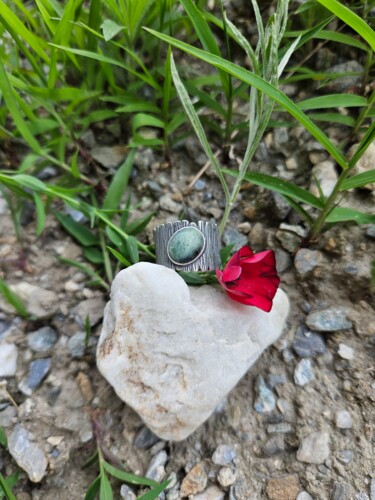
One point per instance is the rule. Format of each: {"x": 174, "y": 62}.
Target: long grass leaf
{"x": 40, "y": 214}
{"x": 105, "y": 492}
{"x": 270, "y": 90}
{"x": 119, "y": 183}
{"x": 351, "y": 19}
{"x": 155, "y": 492}
{"x": 5, "y": 487}
{"x": 333, "y": 101}
{"x": 344, "y": 214}
{"x": 79, "y": 232}
{"x": 280, "y": 186}
{"x": 13, "y": 299}
{"x": 15, "y": 112}
{"x": 92, "y": 490}
{"x": 359, "y": 180}
{"x": 366, "y": 141}
{"x": 332, "y": 36}
{"x": 128, "y": 477}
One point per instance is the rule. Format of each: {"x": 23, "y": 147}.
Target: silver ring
{"x": 186, "y": 246}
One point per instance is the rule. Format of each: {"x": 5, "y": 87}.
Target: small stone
{"x": 4, "y": 328}
{"x": 283, "y": 260}
{"x": 274, "y": 445}
{"x": 345, "y": 457}
{"x": 370, "y": 231}
{"x": 76, "y": 345}
{"x": 211, "y": 493}
{"x": 372, "y": 489}
{"x": 244, "y": 227}
{"x": 257, "y": 236}
{"x": 341, "y": 491}
{"x": 303, "y": 373}
{"x": 365, "y": 163}
{"x": 224, "y": 454}
{"x": 331, "y": 319}
{"x": 109, "y": 156}
{"x": 8, "y": 416}
{"x": 39, "y": 302}
{"x": 89, "y": 308}
{"x": 186, "y": 245}
{"x": 200, "y": 185}
{"x": 290, "y": 236}
{"x": 42, "y": 340}
{"x": 55, "y": 440}
{"x": 304, "y": 496}
{"x": 166, "y": 203}
{"x": 27, "y": 454}
{"x": 38, "y": 370}
{"x": 352, "y": 78}
{"x": 274, "y": 379}
{"x": 156, "y": 470}
{"x": 145, "y": 438}
{"x": 8, "y": 360}
{"x": 291, "y": 163}
{"x": 324, "y": 173}
{"x": 362, "y": 496}
{"x": 127, "y": 493}
{"x": 345, "y": 352}
{"x": 281, "y": 428}
{"x": 265, "y": 401}
{"x": 343, "y": 420}
{"x": 307, "y": 343}
{"x": 307, "y": 260}
{"x": 195, "y": 481}
{"x": 85, "y": 386}
{"x": 280, "y": 207}
{"x": 283, "y": 488}
{"x": 233, "y": 237}
{"x": 314, "y": 448}
{"x": 226, "y": 477}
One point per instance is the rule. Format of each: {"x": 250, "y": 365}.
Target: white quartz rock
{"x": 173, "y": 352}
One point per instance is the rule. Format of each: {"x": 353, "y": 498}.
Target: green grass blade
{"x": 142, "y": 120}
{"x": 344, "y": 214}
{"x": 119, "y": 183}
{"x": 40, "y": 214}
{"x": 3, "y": 438}
{"x": 132, "y": 248}
{"x": 332, "y": 36}
{"x": 366, "y": 141}
{"x": 280, "y": 186}
{"x": 256, "y": 81}
{"x": 138, "y": 225}
{"x": 92, "y": 491}
{"x": 205, "y": 36}
{"x": 128, "y": 477}
{"x": 333, "y": 118}
{"x": 105, "y": 492}
{"x": 155, "y": 492}
{"x": 87, "y": 270}
{"x": 5, "y": 487}
{"x": 14, "y": 110}
{"x": 333, "y": 101}
{"x": 13, "y": 299}
{"x": 119, "y": 257}
{"x": 359, "y": 180}
{"x": 351, "y": 19}
{"x": 79, "y": 232}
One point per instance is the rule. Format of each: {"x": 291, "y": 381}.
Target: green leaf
{"x": 74, "y": 164}
{"x": 344, "y": 214}
{"x": 93, "y": 255}
{"x": 93, "y": 489}
{"x": 119, "y": 257}
{"x": 366, "y": 141}
{"x": 138, "y": 225}
{"x": 13, "y": 299}
{"x": 105, "y": 488}
{"x": 127, "y": 477}
{"x": 351, "y": 19}
{"x": 79, "y": 232}
{"x": 30, "y": 182}
{"x": 3, "y": 438}
{"x": 280, "y": 186}
{"x": 132, "y": 248}
{"x": 359, "y": 180}
{"x": 333, "y": 101}
{"x": 6, "y": 488}
{"x": 119, "y": 183}
{"x": 115, "y": 238}
{"x": 143, "y": 120}
{"x": 155, "y": 492}
{"x": 110, "y": 29}
{"x": 198, "y": 278}
{"x": 333, "y": 118}
{"x": 254, "y": 80}
{"x": 40, "y": 214}
{"x": 225, "y": 253}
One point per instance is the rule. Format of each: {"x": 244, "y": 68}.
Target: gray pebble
{"x": 8, "y": 360}
{"x": 27, "y": 454}
{"x": 233, "y": 237}
{"x": 274, "y": 379}
{"x": 200, "y": 185}
{"x": 331, "y": 319}
{"x": 145, "y": 438}
{"x": 42, "y": 340}
{"x": 281, "y": 207}
{"x": 307, "y": 260}
{"x": 167, "y": 203}
{"x": 303, "y": 495}
{"x": 274, "y": 445}
{"x": 8, "y": 416}
{"x": 288, "y": 356}
{"x": 345, "y": 457}
{"x": 362, "y": 496}
{"x": 127, "y": 493}
{"x": 224, "y": 454}
{"x": 344, "y": 83}
{"x": 265, "y": 400}
{"x": 154, "y": 187}
{"x": 307, "y": 343}
{"x": 370, "y": 232}
{"x": 343, "y": 420}
{"x": 303, "y": 373}
{"x": 38, "y": 370}
{"x": 156, "y": 470}
{"x": 341, "y": 491}
{"x": 4, "y": 327}
{"x": 226, "y": 477}
{"x": 76, "y": 345}
{"x": 314, "y": 448}
{"x": 290, "y": 236}
{"x": 281, "y": 428}
{"x": 372, "y": 489}
{"x": 345, "y": 352}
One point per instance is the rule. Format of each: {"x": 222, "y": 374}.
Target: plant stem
{"x": 330, "y": 203}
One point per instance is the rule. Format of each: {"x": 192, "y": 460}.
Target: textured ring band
{"x": 186, "y": 246}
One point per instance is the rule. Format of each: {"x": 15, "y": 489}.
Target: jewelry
{"x": 186, "y": 246}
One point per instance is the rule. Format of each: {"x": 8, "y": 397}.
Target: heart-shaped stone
{"x": 173, "y": 352}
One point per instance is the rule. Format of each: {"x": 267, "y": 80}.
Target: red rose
{"x": 250, "y": 278}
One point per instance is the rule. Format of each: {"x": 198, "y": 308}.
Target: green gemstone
{"x": 186, "y": 245}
